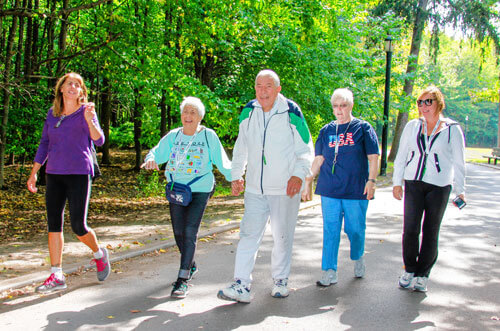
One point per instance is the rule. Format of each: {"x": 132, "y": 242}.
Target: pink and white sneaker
{"x": 52, "y": 284}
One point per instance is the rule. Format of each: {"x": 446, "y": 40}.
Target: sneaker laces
{"x": 238, "y": 286}
{"x": 99, "y": 263}
{"x": 49, "y": 280}
{"x": 280, "y": 282}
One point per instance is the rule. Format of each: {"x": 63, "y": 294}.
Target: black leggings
{"x": 72, "y": 188}
{"x": 430, "y": 200}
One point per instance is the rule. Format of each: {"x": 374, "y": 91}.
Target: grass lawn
{"x": 473, "y": 154}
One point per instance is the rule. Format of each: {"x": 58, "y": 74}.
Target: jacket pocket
{"x": 411, "y": 158}
{"x": 436, "y": 163}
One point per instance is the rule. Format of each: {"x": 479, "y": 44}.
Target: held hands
{"x": 307, "y": 193}
{"x": 294, "y": 185}
{"x": 32, "y": 184}
{"x": 397, "y": 192}
{"x": 237, "y": 186}
{"x": 150, "y": 165}
{"x": 89, "y": 111}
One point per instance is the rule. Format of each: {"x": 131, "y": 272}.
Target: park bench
{"x": 495, "y": 155}
{"x": 492, "y": 157}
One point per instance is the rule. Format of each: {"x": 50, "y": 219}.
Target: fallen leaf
{"x": 110, "y": 316}
{"x": 135, "y": 311}
{"x": 327, "y": 308}
{"x": 162, "y": 250}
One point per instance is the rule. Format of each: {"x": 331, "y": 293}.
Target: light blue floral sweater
{"x": 187, "y": 157}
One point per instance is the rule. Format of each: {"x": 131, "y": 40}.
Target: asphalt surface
{"x": 464, "y": 287}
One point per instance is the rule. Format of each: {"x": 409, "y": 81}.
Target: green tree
{"x": 476, "y": 17}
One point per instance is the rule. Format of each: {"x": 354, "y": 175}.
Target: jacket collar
{"x": 280, "y": 104}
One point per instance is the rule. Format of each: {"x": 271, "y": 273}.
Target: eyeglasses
{"x": 427, "y": 102}
{"x": 58, "y": 124}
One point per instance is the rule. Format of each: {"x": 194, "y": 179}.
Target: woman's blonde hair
{"x": 436, "y": 94}
{"x": 58, "y": 105}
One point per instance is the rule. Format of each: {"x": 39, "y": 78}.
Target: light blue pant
{"x": 354, "y": 214}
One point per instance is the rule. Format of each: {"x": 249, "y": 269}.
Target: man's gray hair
{"x": 269, "y": 73}
{"x": 344, "y": 95}
{"x": 194, "y": 102}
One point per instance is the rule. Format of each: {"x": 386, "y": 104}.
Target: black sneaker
{"x": 180, "y": 289}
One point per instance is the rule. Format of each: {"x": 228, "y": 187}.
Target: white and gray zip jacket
{"x": 445, "y": 163}
{"x": 274, "y": 152}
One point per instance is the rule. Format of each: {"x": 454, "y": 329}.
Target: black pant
{"x": 186, "y": 223}
{"x": 72, "y": 188}
{"x": 430, "y": 200}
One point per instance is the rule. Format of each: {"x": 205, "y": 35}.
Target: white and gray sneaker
{"x": 421, "y": 284}
{"x": 328, "y": 277}
{"x": 406, "y": 279}
{"x": 235, "y": 292}
{"x": 359, "y": 267}
{"x": 280, "y": 288}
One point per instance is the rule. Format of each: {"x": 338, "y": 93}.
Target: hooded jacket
{"x": 445, "y": 162}
{"x": 272, "y": 152}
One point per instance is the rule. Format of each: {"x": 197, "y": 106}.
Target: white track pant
{"x": 283, "y": 211}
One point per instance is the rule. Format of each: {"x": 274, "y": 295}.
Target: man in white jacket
{"x": 275, "y": 146}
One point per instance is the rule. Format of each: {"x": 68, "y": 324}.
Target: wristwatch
{"x": 372, "y": 180}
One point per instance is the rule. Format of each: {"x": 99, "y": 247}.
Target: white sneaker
{"x": 235, "y": 292}
{"x": 328, "y": 277}
{"x": 421, "y": 284}
{"x": 280, "y": 289}
{"x": 359, "y": 268}
{"x": 406, "y": 279}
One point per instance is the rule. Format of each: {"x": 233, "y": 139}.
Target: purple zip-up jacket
{"x": 67, "y": 148}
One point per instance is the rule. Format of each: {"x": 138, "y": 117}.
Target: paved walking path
{"x": 463, "y": 290}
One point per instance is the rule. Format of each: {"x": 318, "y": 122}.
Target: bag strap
{"x": 194, "y": 180}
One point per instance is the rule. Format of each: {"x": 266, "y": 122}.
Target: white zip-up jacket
{"x": 445, "y": 162}
{"x": 274, "y": 152}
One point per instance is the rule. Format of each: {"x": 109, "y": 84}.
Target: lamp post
{"x": 388, "y": 50}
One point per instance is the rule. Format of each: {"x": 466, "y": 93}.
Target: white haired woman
{"x": 189, "y": 153}
{"x": 346, "y": 161}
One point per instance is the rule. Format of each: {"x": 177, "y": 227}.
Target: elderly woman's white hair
{"x": 194, "y": 102}
{"x": 344, "y": 95}
{"x": 269, "y": 73}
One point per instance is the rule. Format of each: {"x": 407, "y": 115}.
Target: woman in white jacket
{"x": 431, "y": 157}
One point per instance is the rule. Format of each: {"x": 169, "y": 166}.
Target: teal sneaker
{"x": 192, "y": 272}
{"x": 180, "y": 289}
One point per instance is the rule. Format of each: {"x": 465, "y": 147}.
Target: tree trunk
{"x": 63, "y": 34}
{"x": 50, "y": 44}
{"x": 4, "y": 112}
{"x": 137, "y": 130}
{"x": 163, "y": 114}
{"x": 2, "y": 31}
{"x": 105, "y": 118}
{"x": 416, "y": 41}
{"x": 106, "y": 99}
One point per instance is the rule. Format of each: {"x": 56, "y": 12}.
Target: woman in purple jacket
{"x": 70, "y": 129}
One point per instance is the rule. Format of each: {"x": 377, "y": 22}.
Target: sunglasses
{"x": 427, "y": 102}
{"x": 58, "y": 124}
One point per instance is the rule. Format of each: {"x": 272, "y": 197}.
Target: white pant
{"x": 283, "y": 212}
